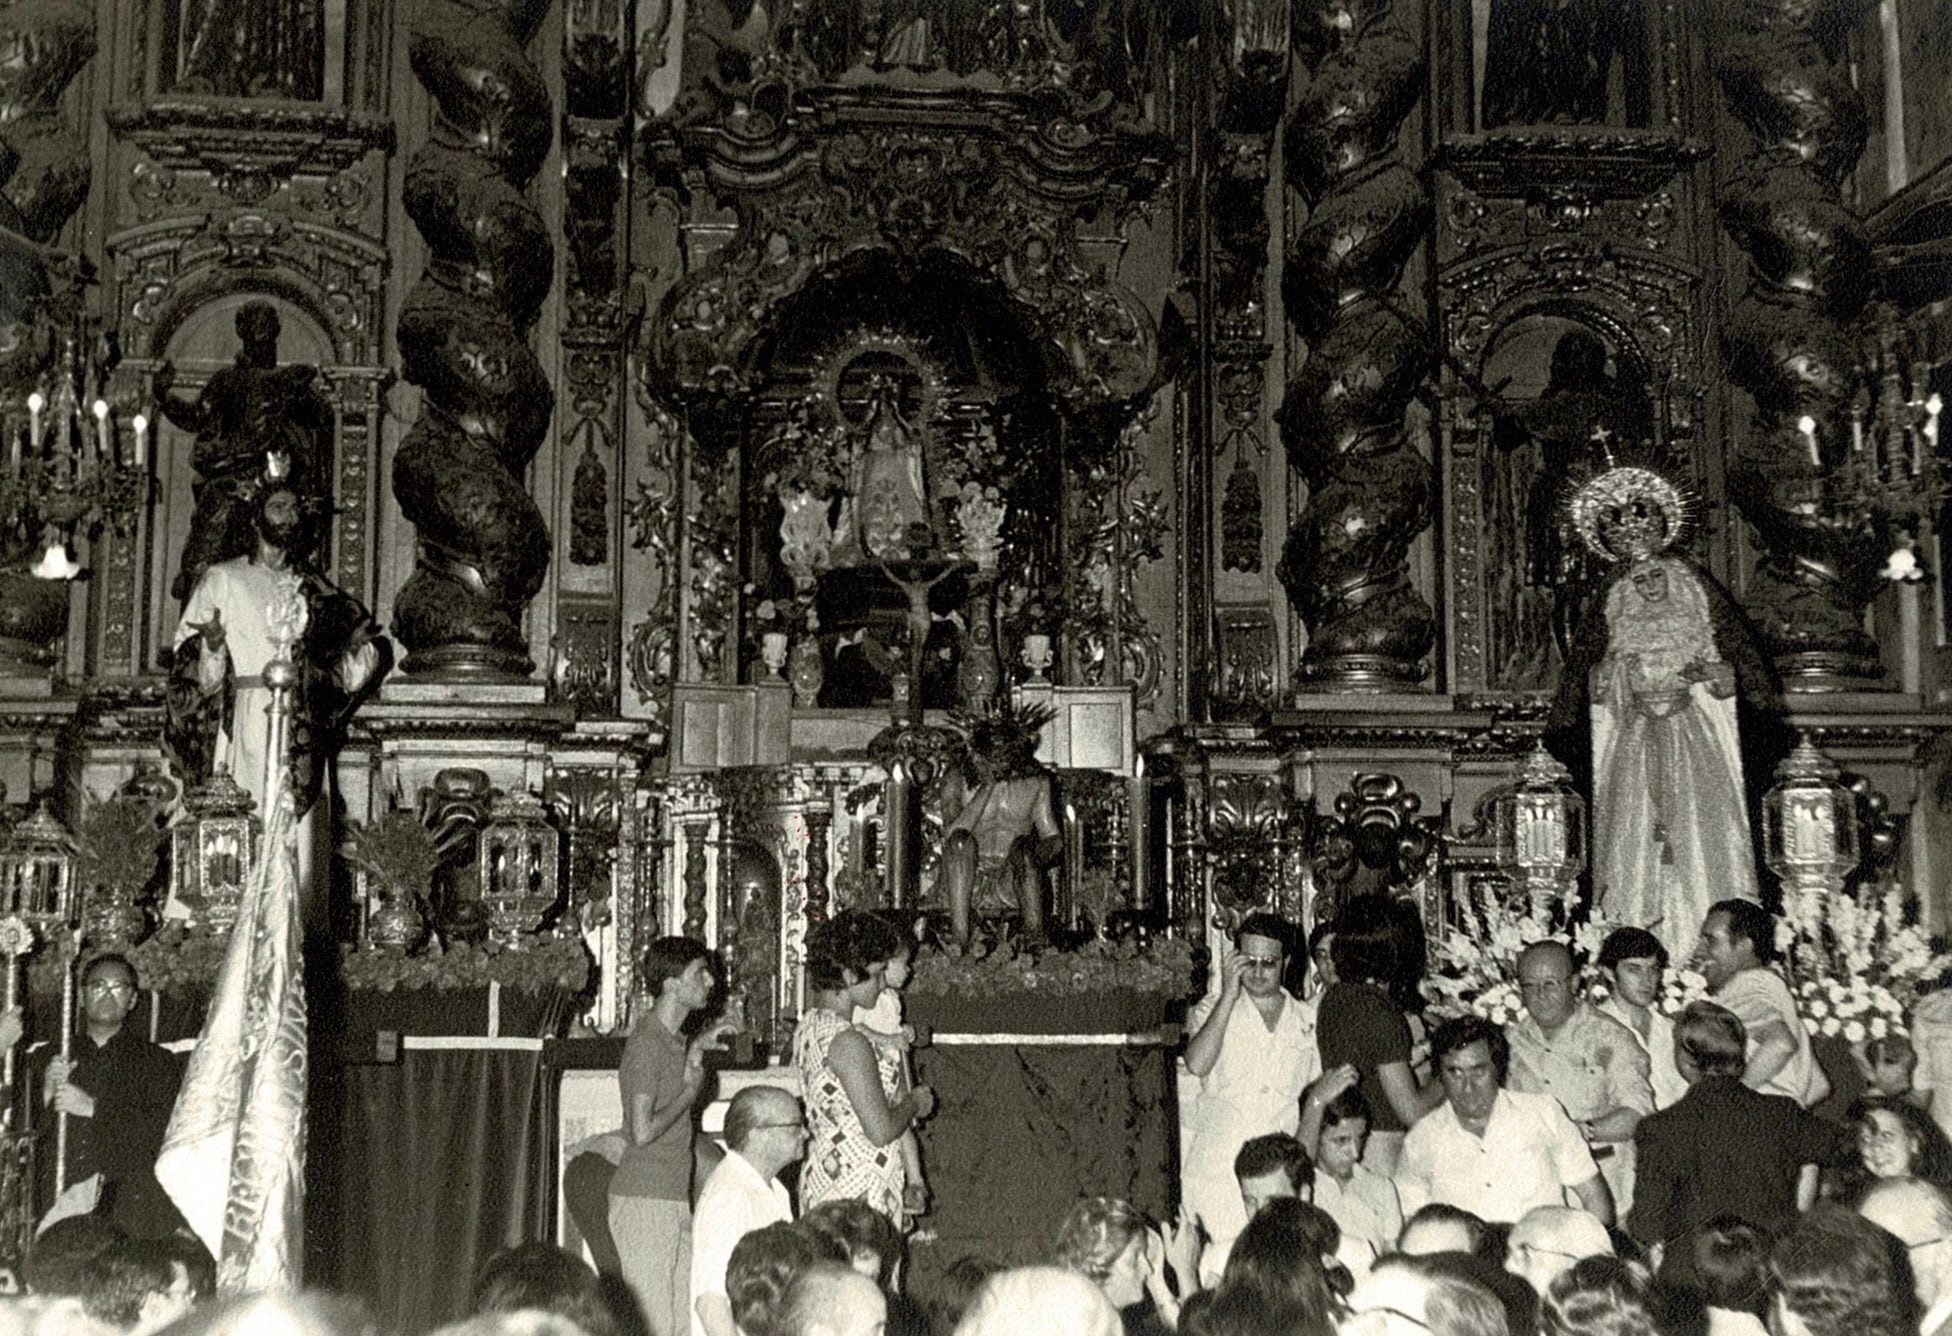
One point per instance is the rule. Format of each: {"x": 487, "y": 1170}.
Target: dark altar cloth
{"x": 419, "y": 1171}
{"x": 1022, "y": 1132}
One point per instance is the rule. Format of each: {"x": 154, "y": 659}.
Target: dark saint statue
{"x": 1552, "y": 62}
{"x": 1584, "y": 413}
{"x": 246, "y": 412}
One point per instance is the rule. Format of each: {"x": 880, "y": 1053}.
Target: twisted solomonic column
{"x": 1346, "y": 563}
{"x": 483, "y": 546}
{"x": 1792, "y": 337}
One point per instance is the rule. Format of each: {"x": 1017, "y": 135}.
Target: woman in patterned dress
{"x": 854, "y": 1117}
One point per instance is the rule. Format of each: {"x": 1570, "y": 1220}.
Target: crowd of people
{"x": 1351, "y": 1167}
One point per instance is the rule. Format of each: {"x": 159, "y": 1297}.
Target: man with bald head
{"x": 764, "y": 1132}
{"x": 828, "y": 1299}
{"x": 1565, "y": 1047}
{"x": 1921, "y": 1218}
{"x": 1547, "y": 1240}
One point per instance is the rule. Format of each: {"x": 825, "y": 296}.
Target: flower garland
{"x": 536, "y": 963}
{"x": 1162, "y": 967}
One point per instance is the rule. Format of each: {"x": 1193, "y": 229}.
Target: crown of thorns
{"x": 1005, "y": 726}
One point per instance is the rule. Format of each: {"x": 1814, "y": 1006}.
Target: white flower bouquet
{"x": 1475, "y": 964}
{"x": 1857, "y": 961}
{"x": 1852, "y": 1008}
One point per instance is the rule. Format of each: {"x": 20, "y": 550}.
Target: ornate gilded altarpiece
{"x": 1239, "y": 350}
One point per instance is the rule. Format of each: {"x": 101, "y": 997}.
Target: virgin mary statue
{"x": 1670, "y": 814}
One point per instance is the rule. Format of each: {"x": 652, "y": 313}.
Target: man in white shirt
{"x": 764, "y": 1132}
{"x": 1490, "y": 1151}
{"x": 1921, "y": 1218}
{"x": 1738, "y": 940}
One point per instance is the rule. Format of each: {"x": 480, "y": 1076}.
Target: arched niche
{"x": 199, "y": 341}
{"x": 872, "y": 358}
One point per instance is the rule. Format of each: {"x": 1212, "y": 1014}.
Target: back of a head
{"x": 517, "y": 1322}
{"x": 1454, "y": 1303}
{"x": 1278, "y": 1258}
{"x": 308, "y": 1313}
{"x": 542, "y": 1276}
{"x": 64, "y": 1257}
{"x": 1517, "y": 1300}
{"x": 763, "y": 1266}
{"x": 50, "y": 1315}
{"x": 1843, "y": 1276}
{"x": 126, "y": 1274}
{"x": 1731, "y": 1265}
{"x": 1049, "y": 1300}
{"x": 1599, "y": 1296}
{"x": 1366, "y": 941}
{"x": 859, "y": 1230}
{"x": 828, "y": 1297}
{"x": 1235, "y": 1312}
{"x": 1440, "y": 1227}
{"x": 1712, "y": 1037}
{"x": 1563, "y": 1230}
{"x": 955, "y": 1289}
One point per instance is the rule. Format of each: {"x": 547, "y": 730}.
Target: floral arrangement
{"x": 1163, "y": 967}
{"x": 534, "y": 963}
{"x": 1475, "y": 965}
{"x": 177, "y": 957}
{"x": 395, "y": 850}
{"x": 119, "y": 845}
{"x": 1866, "y": 944}
{"x": 1853, "y": 1008}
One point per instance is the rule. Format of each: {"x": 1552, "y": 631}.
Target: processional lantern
{"x": 37, "y": 899}
{"x": 1809, "y": 828}
{"x": 213, "y": 848}
{"x": 1540, "y": 823}
{"x": 515, "y": 857}
{"x": 37, "y": 871}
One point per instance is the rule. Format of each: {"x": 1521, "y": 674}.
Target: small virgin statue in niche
{"x": 1670, "y": 816}
{"x": 251, "y": 48}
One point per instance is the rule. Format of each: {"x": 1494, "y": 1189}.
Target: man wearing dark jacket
{"x": 1723, "y": 1149}
{"x": 118, "y": 1093}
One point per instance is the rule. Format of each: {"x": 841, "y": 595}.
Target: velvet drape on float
{"x": 421, "y": 1170}
{"x": 1022, "y": 1132}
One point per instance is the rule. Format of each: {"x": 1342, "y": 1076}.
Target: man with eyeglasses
{"x": 1564, "y": 1047}
{"x": 764, "y": 1132}
{"x": 1547, "y": 1240}
{"x": 1920, "y": 1216}
{"x": 117, "y": 1092}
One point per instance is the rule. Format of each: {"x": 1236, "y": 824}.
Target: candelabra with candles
{"x": 1890, "y": 472}
{"x": 70, "y": 465}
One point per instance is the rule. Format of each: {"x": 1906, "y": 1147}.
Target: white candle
{"x": 35, "y": 403}
{"x": 1933, "y": 407}
{"x": 1807, "y": 425}
{"x": 102, "y": 446}
{"x": 141, "y": 424}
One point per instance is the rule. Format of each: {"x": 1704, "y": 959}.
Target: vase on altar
{"x": 1037, "y": 658}
{"x": 772, "y": 652}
